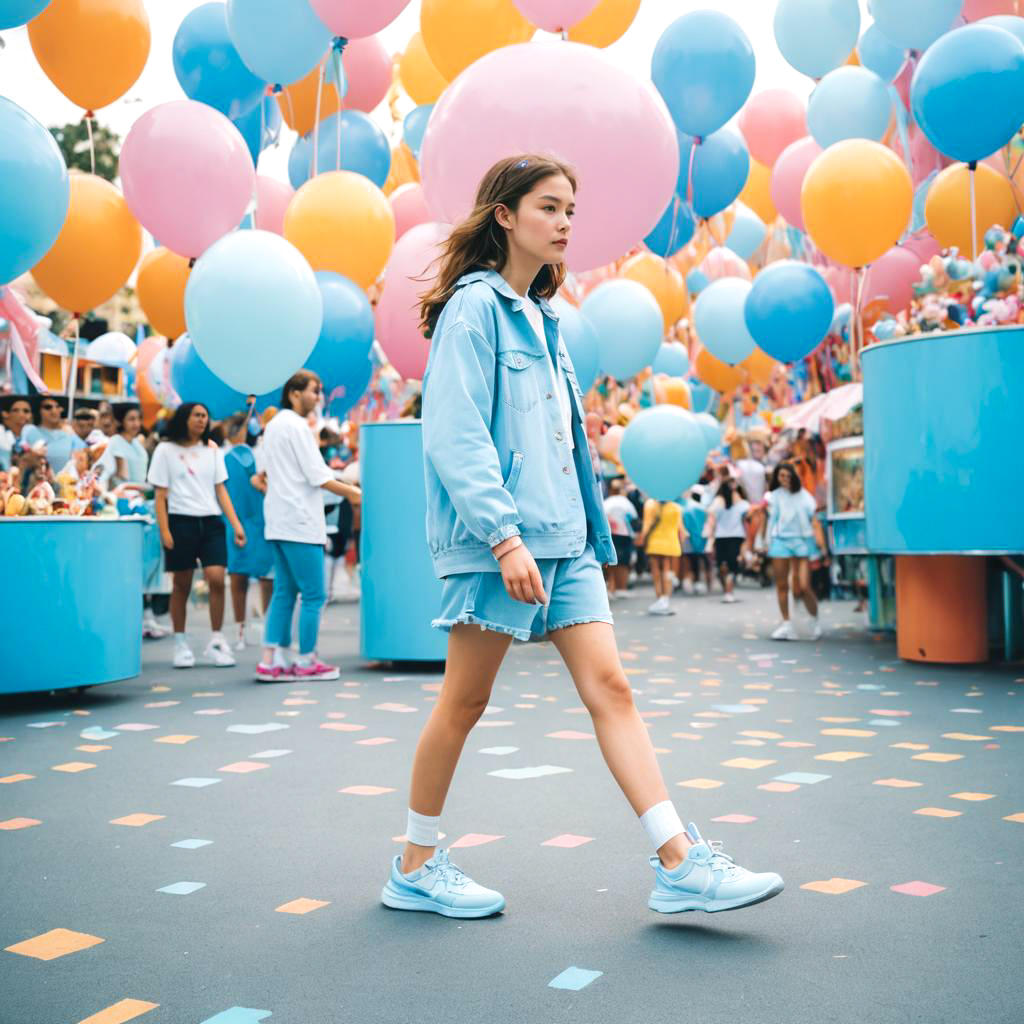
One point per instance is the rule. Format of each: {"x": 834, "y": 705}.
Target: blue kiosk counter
{"x": 71, "y": 601}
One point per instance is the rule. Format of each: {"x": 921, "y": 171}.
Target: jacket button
{"x": 565, "y": 469}
{"x": 559, "y": 436}
{"x": 548, "y": 395}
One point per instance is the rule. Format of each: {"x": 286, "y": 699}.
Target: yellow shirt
{"x": 662, "y": 522}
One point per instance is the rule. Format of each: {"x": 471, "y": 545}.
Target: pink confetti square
{"x": 244, "y": 767}
{"x": 342, "y": 726}
{"x": 473, "y": 839}
{"x": 736, "y": 819}
{"x": 374, "y": 741}
{"x": 366, "y": 790}
{"x": 918, "y": 888}
{"x": 568, "y": 841}
{"x": 570, "y": 734}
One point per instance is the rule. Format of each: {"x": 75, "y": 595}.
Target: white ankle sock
{"x": 180, "y": 641}
{"x": 661, "y": 823}
{"x": 422, "y": 830}
{"x": 280, "y": 659}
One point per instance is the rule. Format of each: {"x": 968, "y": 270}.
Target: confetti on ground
{"x": 574, "y": 978}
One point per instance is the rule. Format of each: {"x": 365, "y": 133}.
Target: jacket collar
{"x": 502, "y": 287}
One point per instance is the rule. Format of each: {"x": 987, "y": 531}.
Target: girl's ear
{"x": 503, "y": 217}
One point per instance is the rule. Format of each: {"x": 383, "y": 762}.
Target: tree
{"x": 73, "y": 140}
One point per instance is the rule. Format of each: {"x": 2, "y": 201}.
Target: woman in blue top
{"x": 517, "y": 531}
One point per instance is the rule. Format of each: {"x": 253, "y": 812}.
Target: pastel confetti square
{"x": 568, "y": 841}
{"x": 750, "y": 763}
{"x": 175, "y": 738}
{"x": 498, "y": 751}
{"x": 13, "y": 824}
{"x": 93, "y": 748}
{"x": 21, "y": 777}
{"x": 192, "y": 844}
{"x": 734, "y": 819}
{"x": 897, "y": 783}
{"x": 243, "y": 767}
{"x": 834, "y": 886}
{"x": 967, "y": 737}
{"x": 238, "y": 1015}
{"x": 802, "y": 778}
{"x": 938, "y": 758}
{"x": 574, "y": 979}
{"x": 570, "y": 734}
{"x": 44, "y": 725}
{"x": 255, "y": 730}
{"x": 918, "y": 888}
{"x": 342, "y": 726}
{"x": 938, "y": 812}
{"x": 183, "y": 888}
{"x": 301, "y": 906}
{"x": 55, "y": 943}
{"x": 121, "y": 1012}
{"x": 135, "y": 727}
{"x": 196, "y": 783}
{"x": 366, "y": 790}
{"x": 269, "y": 753}
{"x": 137, "y": 820}
{"x": 972, "y": 796}
{"x": 779, "y": 787}
{"x": 401, "y": 709}
{"x": 96, "y": 733}
{"x": 841, "y": 755}
{"x": 701, "y": 783}
{"x": 375, "y": 741}
{"x": 529, "y": 773}
{"x": 848, "y": 732}
{"x": 1019, "y": 817}
{"x": 73, "y": 766}
{"x": 473, "y": 839}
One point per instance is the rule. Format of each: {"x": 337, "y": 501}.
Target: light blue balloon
{"x": 1012, "y": 24}
{"x": 747, "y": 232}
{"x": 34, "y": 191}
{"x": 629, "y": 327}
{"x": 721, "y": 165}
{"x": 697, "y": 281}
{"x": 711, "y": 428}
{"x": 194, "y": 381}
{"x": 279, "y": 42}
{"x": 414, "y": 127}
{"x": 789, "y": 310}
{"x": 346, "y": 336}
{"x": 675, "y": 228}
{"x": 841, "y": 317}
{"x": 253, "y": 310}
{"x": 703, "y": 66}
{"x": 848, "y": 103}
{"x": 879, "y": 54}
{"x": 816, "y": 36}
{"x": 250, "y": 124}
{"x": 967, "y": 93}
{"x": 718, "y": 318}
{"x": 19, "y": 12}
{"x": 914, "y": 24}
{"x": 672, "y": 359}
{"x": 364, "y": 149}
{"x": 663, "y": 450}
{"x": 702, "y": 397}
{"x": 580, "y": 339}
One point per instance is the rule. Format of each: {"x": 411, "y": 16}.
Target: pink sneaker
{"x": 273, "y": 673}
{"x": 316, "y": 669}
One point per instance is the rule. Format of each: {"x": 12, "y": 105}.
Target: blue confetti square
{"x": 196, "y": 783}
{"x": 802, "y": 778}
{"x": 183, "y": 888}
{"x": 192, "y": 844}
{"x": 574, "y": 978}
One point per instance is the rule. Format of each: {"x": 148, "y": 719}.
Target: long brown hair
{"x": 479, "y": 242}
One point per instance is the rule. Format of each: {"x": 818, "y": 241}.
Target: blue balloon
{"x": 711, "y": 428}
{"x": 879, "y": 54}
{"x": 629, "y": 327}
{"x": 747, "y": 232}
{"x": 697, "y": 281}
{"x": 364, "y": 149}
{"x": 703, "y": 66}
{"x": 194, "y": 381}
{"x": 19, "y": 12}
{"x": 580, "y": 339}
{"x": 279, "y": 43}
{"x": 702, "y": 397}
{"x": 414, "y": 127}
{"x": 914, "y": 24}
{"x": 675, "y": 228}
{"x": 848, "y": 103}
{"x": 672, "y": 359}
{"x": 1009, "y": 22}
{"x": 841, "y": 317}
{"x": 721, "y": 165}
{"x": 339, "y": 399}
{"x": 34, "y": 191}
{"x": 346, "y": 336}
{"x": 718, "y": 319}
{"x": 250, "y": 124}
{"x": 789, "y": 310}
{"x": 663, "y": 450}
{"x": 816, "y": 36}
{"x": 967, "y": 93}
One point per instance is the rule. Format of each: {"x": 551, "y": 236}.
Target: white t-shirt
{"x": 536, "y": 317}
{"x": 790, "y": 514}
{"x": 729, "y": 521}
{"x": 752, "y": 476}
{"x": 190, "y": 475}
{"x": 134, "y": 454}
{"x": 294, "y": 506}
{"x": 620, "y": 512}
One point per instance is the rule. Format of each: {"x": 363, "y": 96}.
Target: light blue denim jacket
{"x": 496, "y": 459}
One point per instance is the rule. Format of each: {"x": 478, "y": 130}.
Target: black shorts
{"x": 727, "y": 552}
{"x": 623, "y": 548}
{"x": 197, "y": 539}
{"x": 698, "y": 561}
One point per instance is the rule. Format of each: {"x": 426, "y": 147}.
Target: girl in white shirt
{"x": 726, "y": 523}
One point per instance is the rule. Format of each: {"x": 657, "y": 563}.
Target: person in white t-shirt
{"x": 622, "y": 520}
{"x": 726, "y": 523}
{"x": 296, "y": 531}
{"x": 188, "y": 474}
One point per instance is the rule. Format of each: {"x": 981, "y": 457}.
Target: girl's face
{"x": 198, "y": 418}
{"x": 133, "y": 422}
{"x": 785, "y": 479}
{"x": 541, "y": 224}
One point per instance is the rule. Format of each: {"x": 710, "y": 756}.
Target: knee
{"x": 462, "y": 712}
{"x": 798, "y": 589}
{"x": 610, "y": 692}
{"x": 216, "y": 584}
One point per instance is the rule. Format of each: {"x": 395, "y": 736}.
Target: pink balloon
{"x": 367, "y": 65}
{"x": 555, "y": 15}
{"x": 770, "y": 121}
{"x": 840, "y": 281}
{"x": 272, "y": 199}
{"x": 187, "y": 175}
{"x": 973, "y": 10}
{"x": 397, "y": 313}
{"x": 923, "y": 245}
{"x": 721, "y": 262}
{"x": 409, "y": 207}
{"x": 893, "y": 276}
{"x": 788, "y": 178}
{"x": 611, "y": 440}
{"x": 571, "y": 101}
{"x": 354, "y": 19}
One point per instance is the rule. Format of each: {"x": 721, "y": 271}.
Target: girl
{"x": 792, "y": 534}
{"x": 189, "y": 473}
{"x": 516, "y": 530}
{"x": 660, "y": 539}
{"x": 726, "y": 524}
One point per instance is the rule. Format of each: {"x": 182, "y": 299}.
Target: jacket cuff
{"x": 502, "y": 533}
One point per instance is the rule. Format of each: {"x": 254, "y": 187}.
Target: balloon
{"x": 34, "y": 191}
{"x": 816, "y": 36}
{"x": 718, "y": 319}
{"x": 398, "y": 314}
{"x": 770, "y": 121}
{"x": 355, "y": 19}
{"x": 17, "y": 12}
{"x": 720, "y": 167}
{"x": 789, "y": 310}
{"x": 266, "y": 120}
{"x": 253, "y": 310}
{"x": 697, "y": 281}
{"x": 342, "y": 397}
{"x": 663, "y": 451}
{"x": 580, "y": 339}
{"x": 967, "y": 93}
{"x": 788, "y": 177}
{"x": 346, "y": 336}
{"x": 892, "y": 277}
{"x": 672, "y": 359}
{"x": 96, "y": 250}
{"x": 629, "y": 327}
{"x": 158, "y": 377}
{"x": 194, "y": 381}
{"x": 341, "y": 221}
{"x": 458, "y": 32}
{"x": 663, "y": 281}
{"x": 721, "y": 262}
{"x": 112, "y": 348}
{"x": 1012, "y": 24}
{"x": 711, "y": 429}
{"x": 717, "y": 375}
{"x": 160, "y": 288}
{"x": 296, "y": 102}
{"x": 674, "y": 230}
{"x": 703, "y": 66}
{"x": 555, "y": 15}
{"x": 414, "y": 126}
{"x": 757, "y": 193}
{"x": 608, "y": 446}
{"x": 92, "y": 50}
{"x": 364, "y": 149}
{"x": 674, "y": 391}
{"x": 272, "y": 199}
{"x": 914, "y": 24}
{"x": 973, "y": 10}
{"x": 923, "y": 245}
{"x": 404, "y": 169}
{"x": 856, "y": 201}
{"x": 879, "y": 54}
{"x": 417, "y": 73}
{"x": 760, "y": 367}
{"x": 591, "y": 107}
{"x": 367, "y": 66}
{"x": 278, "y": 46}
{"x": 605, "y": 23}
{"x": 207, "y": 64}
{"x": 187, "y": 175}
{"x": 848, "y": 103}
{"x": 409, "y": 206}
{"x": 948, "y": 206}
{"x": 702, "y": 397}
{"x": 747, "y": 232}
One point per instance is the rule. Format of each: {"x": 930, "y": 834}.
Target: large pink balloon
{"x": 409, "y": 206}
{"x": 368, "y": 70}
{"x": 272, "y": 199}
{"x": 571, "y": 101}
{"x": 923, "y": 245}
{"x": 397, "y": 313}
{"x": 770, "y": 121}
{"x": 354, "y": 19}
{"x": 187, "y": 175}
{"x": 721, "y": 262}
{"x": 974, "y": 10}
{"x": 788, "y": 178}
{"x": 555, "y": 15}
{"x": 925, "y": 159}
{"x": 893, "y": 276}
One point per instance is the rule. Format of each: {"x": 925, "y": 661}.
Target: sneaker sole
{"x": 318, "y": 677}
{"x": 670, "y": 905}
{"x": 396, "y": 902}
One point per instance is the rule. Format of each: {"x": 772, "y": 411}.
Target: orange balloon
{"x": 605, "y": 23}
{"x": 947, "y": 209}
{"x": 757, "y": 193}
{"x": 662, "y": 280}
{"x": 149, "y": 404}
{"x": 404, "y": 169}
{"x": 92, "y": 50}
{"x": 96, "y": 250}
{"x": 458, "y": 32}
{"x": 160, "y": 287}
{"x": 341, "y": 221}
{"x": 760, "y": 366}
{"x": 298, "y": 101}
{"x": 676, "y": 391}
{"x": 417, "y": 73}
{"x": 716, "y": 374}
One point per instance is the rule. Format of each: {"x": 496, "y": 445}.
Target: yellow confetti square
{"x": 55, "y": 943}
{"x": 177, "y": 738}
{"x": 838, "y": 721}
{"x": 909, "y": 746}
{"x": 121, "y": 1012}
{"x": 137, "y": 820}
{"x": 940, "y": 758}
{"x": 1006, "y": 728}
{"x": 73, "y": 766}
{"x": 897, "y": 783}
{"x": 972, "y": 796}
{"x": 751, "y": 763}
{"x": 938, "y": 812}
{"x": 967, "y": 737}
{"x": 301, "y": 906}
{"x": 834, "y": 886}
{"x": 841, "y": 755}
{"x": 701, "y": 783}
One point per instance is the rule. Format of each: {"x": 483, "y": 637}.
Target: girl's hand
{"x": 167, "y": 540}
{"x": 521, "y": 576}
{"x": 239, "y": 537}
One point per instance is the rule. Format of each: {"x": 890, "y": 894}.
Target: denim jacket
{"x": 496, "y": 459}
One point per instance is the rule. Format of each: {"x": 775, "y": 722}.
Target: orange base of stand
{"x": 941, "y": 608}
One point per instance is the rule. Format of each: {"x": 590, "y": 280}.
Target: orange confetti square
{"x": 938, "y": 812}
{"x": 750, "y": 763}
{"x": 16, "y": 778}
{"x": 779, "y": 787}
{"x": 55, "y": 943}
{"x": 137, "y": 820}
{"x": 841, "y": 755}
{"x": 940, "y": 758}
{"x": 1015, "y": 817}
{"x": 73, "y": 766}
{"x": 177, "y": 738}
{"x": 366, "y": 790}
{"x": 244, "y": 767}
{"x": 834, "y": 886}
{"x": 93, "y": 748}
{"x": 837, "y": 721}
{"x": 120, "y": 1012}
{"x": 701, "y": 783}
{"x": 896, "y": 783}
{"x": 967, "y": 737}
{"x": 15, "y": 823}
{"x": 972, "y": 796}
{"x": 1006, "y": 728}
{"x": 302, "y": 906}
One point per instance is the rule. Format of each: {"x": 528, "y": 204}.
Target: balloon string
{"x": 689, "y": 172}
{"x": 92, "y": 148}
{"x": 259, "y": 150}
{"x": 858, "y": 321}
{"x": 340, "y": 42}
{"x": 676, "y": 204}
{"x": 316, "y": 123}
{"x": 974, "y": 211}
{"x": 73, "y": 375}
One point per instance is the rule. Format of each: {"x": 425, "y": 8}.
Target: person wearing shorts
{"x": 726, "y": 524}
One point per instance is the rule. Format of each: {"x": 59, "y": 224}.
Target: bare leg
{"x": 181, "y": 587}
{"x": 656, "y": 575}
{"x": 802, "y": 585}
{"x": 780, "y": 566}
{"x": 266, "y": 593}
{"x": 590, "y": 654}
{"x": 215, "y": 581}
{"x": 239, "y": 591}
{"x": 621, "y": 573}
{"x": 474, "y": 657}
{"x": 610, "y": 579}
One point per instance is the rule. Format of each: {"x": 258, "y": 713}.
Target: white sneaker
{"x": 729, "y": 599}
{"x": 183, "y": 657}
{"x": 700, "y": 588}
{"x": 218, "y": 653}
{"x": 688, "y": 586}
{"x": 240, "y": 642}
{"x": 152, "y": 630}
{"x": 815, "y": 632}
{"x": 662, "y": 607}
{"x": 784, "y": 631}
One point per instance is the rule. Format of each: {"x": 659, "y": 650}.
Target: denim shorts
{"x": 793, "y": 547}
{"x": 575, "y": 588}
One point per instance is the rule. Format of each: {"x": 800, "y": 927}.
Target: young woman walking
{"x": 726, "y": 524}
{"x": 516, "y": 530}
{"x": 661, "y": 538}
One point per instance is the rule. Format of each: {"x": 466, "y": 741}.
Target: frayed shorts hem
{"x": 517, "y": 634}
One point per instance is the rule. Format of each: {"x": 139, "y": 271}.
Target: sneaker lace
{"x": 721, "y": 860}
{"x": 448, "y": 871}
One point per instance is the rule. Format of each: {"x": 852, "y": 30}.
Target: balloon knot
{"x": 88, "y": 116}
{"x": 340, "y": 42}
{"x": 276, "y": 89}
{"x": 972, "y": 165}
{"x": 191, "y": 262}
{"x": 698, "y": 139}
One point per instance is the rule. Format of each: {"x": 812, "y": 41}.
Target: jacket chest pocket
{"x": 519, "y": 381}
